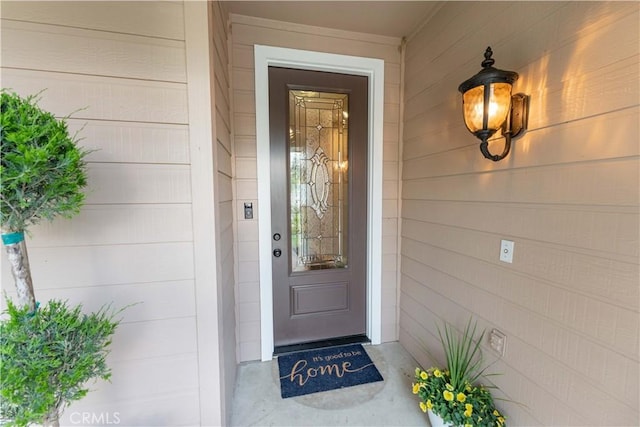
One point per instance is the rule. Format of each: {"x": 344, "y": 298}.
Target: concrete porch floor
{"x": 257, "y": 400}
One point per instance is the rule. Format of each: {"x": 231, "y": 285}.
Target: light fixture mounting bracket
{"x": 519, "y": 115}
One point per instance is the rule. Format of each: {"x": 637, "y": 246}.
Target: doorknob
{"x": 277, "y": 253}
{"x": 276, "y": 237}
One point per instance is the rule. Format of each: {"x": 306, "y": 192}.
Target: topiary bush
{"x": 47, "y": 358}
{"x": 42, "y": 175}
{"x": 47, "y": 355}
{"x": 43, "y": 170}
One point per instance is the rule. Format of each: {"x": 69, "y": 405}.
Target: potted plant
{"x": 46, "y": 354}
{"x": 451, "y": 396}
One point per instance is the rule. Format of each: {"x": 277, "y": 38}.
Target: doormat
{"x": 313, "y": 371}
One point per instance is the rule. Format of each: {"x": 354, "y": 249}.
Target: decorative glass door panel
{"x": 318, "y": 179}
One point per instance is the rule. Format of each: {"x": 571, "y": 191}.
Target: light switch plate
{"x": 506, "y": 251}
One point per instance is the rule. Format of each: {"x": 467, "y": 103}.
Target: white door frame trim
{"x": 319, "y": 61}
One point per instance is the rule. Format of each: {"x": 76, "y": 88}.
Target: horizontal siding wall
{"x": 567, "y": 195}
{"x": 119, "y": 67}
{"x": 246, "y": 33}
{"x": 225, "y": 207}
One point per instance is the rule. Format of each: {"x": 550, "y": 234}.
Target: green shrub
{"x": 47, "y": 358}
{"x": 42, "y": 174}
{"x": 42, "y": 169}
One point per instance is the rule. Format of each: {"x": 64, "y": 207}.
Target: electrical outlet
{"x": 498, "y": 342}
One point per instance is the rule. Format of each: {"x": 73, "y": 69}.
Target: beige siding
{"x": 247, "y": 32}
{"x": 225, "y": 250}
{"x": 120, "y": 68}
{"x": 567, "y": 195}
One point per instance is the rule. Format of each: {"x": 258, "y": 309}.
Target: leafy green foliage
{"x": 42, "y": 169}
{"x": 465, "y": 405}
{"x": 47, "y": 358}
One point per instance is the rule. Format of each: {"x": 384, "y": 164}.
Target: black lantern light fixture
{"x": 487, "y": 105}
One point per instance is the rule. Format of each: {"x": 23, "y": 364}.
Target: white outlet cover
{"x": 498, "y": 341}
{"x": 506, "y": 251}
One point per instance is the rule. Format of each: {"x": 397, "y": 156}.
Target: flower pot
{"x": 436, "y": 421}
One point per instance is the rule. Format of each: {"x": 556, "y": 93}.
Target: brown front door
{"x": 318, "y": 132}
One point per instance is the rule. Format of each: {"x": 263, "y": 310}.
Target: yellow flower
{"x": 460, "y": 397}
{"x": 469, "y": 410}
{"x": 448, "y": 396}
{"x": 437, "y": 373}
{"x": 417, "y": 371}
{"x": 501, "y": 420}
{"x": 496, "y": 413}
{"x": 429, "y": 404}
{"x": 416, "y": 387}
{"x": 423, "y": 407}
{"x": 468, "y": 425}
{"x": 424, "y": 375}
{"x": 449, "y": 386}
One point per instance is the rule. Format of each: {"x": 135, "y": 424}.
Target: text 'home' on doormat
{"x": 313, "y": 371}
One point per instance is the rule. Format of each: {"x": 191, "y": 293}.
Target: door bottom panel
{"x": 319, "y": 298}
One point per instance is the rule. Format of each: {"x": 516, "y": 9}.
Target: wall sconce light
{"x": 487, "y": 105}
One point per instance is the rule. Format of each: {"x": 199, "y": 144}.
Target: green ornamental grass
{"x": 463, "y": 354}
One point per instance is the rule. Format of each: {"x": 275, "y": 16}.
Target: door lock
{"x": 277, "y": 253}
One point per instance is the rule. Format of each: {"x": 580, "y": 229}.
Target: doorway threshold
{"x": 332, "y": 342}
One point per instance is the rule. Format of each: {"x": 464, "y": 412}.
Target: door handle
{"x": 276, "y": 237}
{"x": 277, "y": 253}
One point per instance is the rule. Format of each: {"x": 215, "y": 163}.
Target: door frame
{"x": 264, "y": 57}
